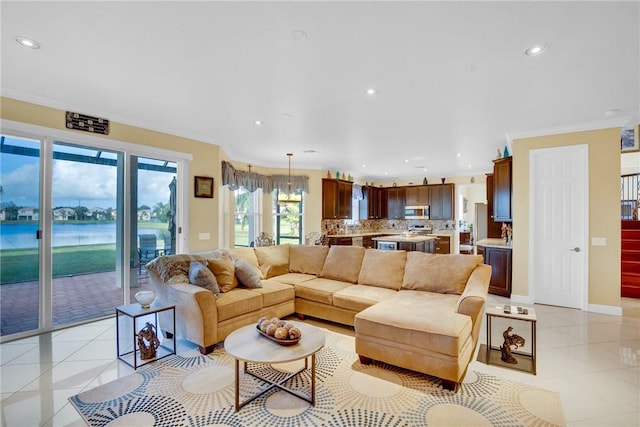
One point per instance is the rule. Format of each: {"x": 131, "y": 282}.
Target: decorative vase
{"x": 328, "y": 174}
{"x": 145, "y": 298}
{"x": 506, "y": 152}
{"x": 424, "y": 181}
{"x": 443, "y": 180}
{"x": 337, "y": 175}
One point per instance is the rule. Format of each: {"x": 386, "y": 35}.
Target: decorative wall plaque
{"x": 86, "y": 123}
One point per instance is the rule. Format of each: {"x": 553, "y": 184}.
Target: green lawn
{"x": 18, "y": 265}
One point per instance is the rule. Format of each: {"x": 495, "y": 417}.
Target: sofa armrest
{"x": 196, "y": 310}
{"x": 471, "y": 302}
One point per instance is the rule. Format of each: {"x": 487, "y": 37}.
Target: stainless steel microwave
{"x": 416, "y": 212}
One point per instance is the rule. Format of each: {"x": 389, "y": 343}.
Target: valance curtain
{"x": 235, "y": 179}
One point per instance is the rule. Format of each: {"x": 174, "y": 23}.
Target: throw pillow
{"x": 384, "y": 269}
{"x": 307, "y": 259}
{"x": 445, "y": 274}
{"x": 248, "y": 275}
{"x": 224, "y": 270}
{"x": 343, "y": 263}
{"x": 200, "y": 275}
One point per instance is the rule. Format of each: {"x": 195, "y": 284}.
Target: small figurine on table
{"x": 510, "y": 340}
{"x": 148, "y": 342}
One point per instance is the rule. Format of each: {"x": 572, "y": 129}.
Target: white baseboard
{"x": 605, "y": 309}
{"x": 592, "y": 308}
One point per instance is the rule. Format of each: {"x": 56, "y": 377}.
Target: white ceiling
{"x": 451, "y": 77}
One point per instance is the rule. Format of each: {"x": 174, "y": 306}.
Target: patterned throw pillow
{"x": 200, "y": 275}
{"x": 248, "y": 275}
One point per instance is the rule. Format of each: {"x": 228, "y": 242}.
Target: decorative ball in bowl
{"x": 145, "y": 298}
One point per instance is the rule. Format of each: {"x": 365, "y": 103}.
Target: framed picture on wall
{"x": 203, "y": 187}
{"x": 629, "y": 139}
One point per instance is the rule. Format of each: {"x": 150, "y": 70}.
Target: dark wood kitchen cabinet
{"x": 336, "y": 199}
{"x": 417, "y": 195}
{"x": 373, "y": 205}
{"x": 502, "y": 206}
{"x": 494, "y": 229}
{"x": 500, "y": 261}
{"x": 396, "y": 200}
{"x": 442, "y": 245}
{"x": 441, "y": 201}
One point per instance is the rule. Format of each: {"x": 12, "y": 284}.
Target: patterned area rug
{"x": 196, "y": 390}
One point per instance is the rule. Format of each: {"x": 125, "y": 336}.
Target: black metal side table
{"x": 135, "y": 312}
{"x": 494, "y": 354}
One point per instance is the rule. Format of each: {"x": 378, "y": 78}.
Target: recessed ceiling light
{"x": 371, "y": 91}
{"x": 469, "y": 166}
{"x": 406, "y": 160}
{"x": 458, "y": 155}
{"x": 536, "y": 50}
{"x": 610, "y": 113}
{"x": 258, "y": 123}
{"x": 27, "y": 42}
{"x": 386, "y": 173}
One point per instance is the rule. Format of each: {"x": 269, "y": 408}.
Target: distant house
{"x": 97, "y": 213}
{"x": 63, "y": 214}
{"x": 28, "y": 214}
{"x": 3, "y": 215}
{"x": 144, "y": 214}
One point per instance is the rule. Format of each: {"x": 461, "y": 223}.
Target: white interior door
{"x": 559, "y": 201}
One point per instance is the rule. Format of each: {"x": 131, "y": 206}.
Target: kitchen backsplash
{"x": 340, "y": 226}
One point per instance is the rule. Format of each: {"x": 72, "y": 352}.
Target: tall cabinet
{"x": 502, "y": 206}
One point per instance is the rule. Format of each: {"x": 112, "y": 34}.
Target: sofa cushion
{"x": 274, "y": 292}
{"x": 359, "y": 297}
{"x": 417, "y": 320}
{"x": 439, "y": 273}
{"x": 200, "y": 275}
{"x": 273, "y": 260}
{"x": 247, "y": 254}
{"x": 384, "y": 269}
{"x": 294, "y": 278}
{"x": 224, "y": 270}
{"x": 307, "y": 259}
{"x": 247, "y": 274}
{"x": 237, "y": 302}
{"x": 343, "y": 263}
{"x": 320, "y": 290}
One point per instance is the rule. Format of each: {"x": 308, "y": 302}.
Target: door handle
{"x": 576, "y": 249}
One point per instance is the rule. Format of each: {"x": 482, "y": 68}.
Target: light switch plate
{"x": 204, "y": 236}
{"x": 598, "y": 241}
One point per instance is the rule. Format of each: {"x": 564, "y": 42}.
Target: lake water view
{"x": 23, "y": 236}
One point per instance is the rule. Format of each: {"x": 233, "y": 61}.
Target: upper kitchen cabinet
{"x": 502, "y": 211}
{"x": 374, "y": 204}
{"x": 417, "y": 196}
{"x": 336, "y": 199}
{"x": 494, "y": 229}
{"x": 441, "y": 201}
{"x": 396, "y": 200}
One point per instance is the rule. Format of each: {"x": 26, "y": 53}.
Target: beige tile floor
{"x": 591, "y": 360}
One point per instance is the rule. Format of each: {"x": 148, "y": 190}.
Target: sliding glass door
{"x": 75, "y": 223}
{"x": 19, "y": 228}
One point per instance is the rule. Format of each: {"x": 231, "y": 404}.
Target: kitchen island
{"x": 406, "y": 242}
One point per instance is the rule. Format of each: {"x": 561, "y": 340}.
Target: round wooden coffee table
{"x": 247, "y": 345}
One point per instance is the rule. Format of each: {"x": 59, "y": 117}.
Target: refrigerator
{"x": 481, "y": 219}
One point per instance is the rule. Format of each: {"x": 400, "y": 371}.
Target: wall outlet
{"x": 204, "y": 236}
{"x": 598, "y": 241}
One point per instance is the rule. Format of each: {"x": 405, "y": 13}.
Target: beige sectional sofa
{"x": 410, "y": 309}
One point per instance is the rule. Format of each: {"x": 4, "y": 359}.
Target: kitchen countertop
{"x": 368, "y": 233}
{"x": 401, "y": 238}
{"x": 493, "y": 243}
